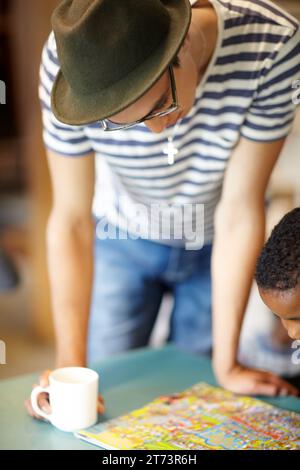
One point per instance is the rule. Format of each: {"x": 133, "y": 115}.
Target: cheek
{"x": 187, "y": 91}
{"x": 187, "y": 99}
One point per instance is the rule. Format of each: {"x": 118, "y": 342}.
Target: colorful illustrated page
{"x": 201, "y": 417}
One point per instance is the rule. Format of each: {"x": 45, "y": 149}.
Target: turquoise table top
{"x": 126, "y": 382}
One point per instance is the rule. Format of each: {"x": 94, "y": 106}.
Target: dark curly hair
{"x": 278, "y": 266}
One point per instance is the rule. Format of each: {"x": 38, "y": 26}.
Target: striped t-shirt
{"x": 246, "y": 91}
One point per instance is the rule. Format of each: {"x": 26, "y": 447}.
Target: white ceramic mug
{"x": 73, "y": 393}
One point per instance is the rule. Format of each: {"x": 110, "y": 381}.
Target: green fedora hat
{"x": 111, "y": 52}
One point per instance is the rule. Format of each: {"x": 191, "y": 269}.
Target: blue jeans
{"x": 130, "y": 280}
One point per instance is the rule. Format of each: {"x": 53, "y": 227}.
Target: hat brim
{"x": 75, "y": 109}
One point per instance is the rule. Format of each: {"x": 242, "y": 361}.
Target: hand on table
{"x": 246, "y": 381}
{"x": 44, "y": 401}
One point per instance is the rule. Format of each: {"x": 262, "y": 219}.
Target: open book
{"x": 201, "y": 417}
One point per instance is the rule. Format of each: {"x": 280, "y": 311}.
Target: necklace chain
{"x": 170, "y": 150}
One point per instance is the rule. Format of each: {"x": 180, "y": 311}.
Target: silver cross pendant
{"x": 170, "y": 151}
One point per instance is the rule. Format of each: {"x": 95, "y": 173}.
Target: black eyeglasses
{"x": 110, "y": 126}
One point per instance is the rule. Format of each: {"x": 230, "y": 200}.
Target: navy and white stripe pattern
{"x": 246, "y": 91}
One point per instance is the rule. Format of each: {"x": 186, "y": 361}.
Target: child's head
{"x": 278, "y": 272}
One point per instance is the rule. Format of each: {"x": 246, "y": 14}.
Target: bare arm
{"x": 70, "y": 233}
{"x": 240, "y": 231}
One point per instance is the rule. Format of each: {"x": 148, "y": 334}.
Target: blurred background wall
{"x": 25, "y": 195}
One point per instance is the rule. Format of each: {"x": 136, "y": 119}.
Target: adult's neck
{"x": 204, "y": 22}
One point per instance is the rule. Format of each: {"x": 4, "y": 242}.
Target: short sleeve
{"x": 58, "y": 137}
{"x": 271, "y": 114}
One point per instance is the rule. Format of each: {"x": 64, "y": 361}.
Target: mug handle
{"x": 34, "y": 401}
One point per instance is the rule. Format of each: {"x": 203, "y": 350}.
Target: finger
{"x": 100, "y": 408}
{"x": 288, "y": 389}
{"x": 31, "y": 411}
{"x": 44, "y": 378}
{"x": 285, "y": 388}
{"x": 100, "y": 398}
{"x": 43, "y": 403}
{"x": 267, "y": 389}
{"x": 28, "y": 407}
{"x": 100, "y": 403}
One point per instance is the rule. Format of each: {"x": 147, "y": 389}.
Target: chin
{"x": 294, "y": 335}
{"x": 172, "y": 123}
